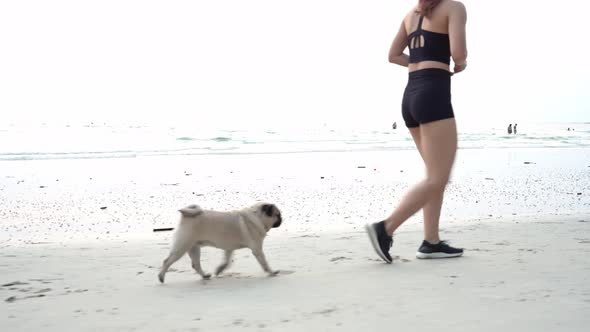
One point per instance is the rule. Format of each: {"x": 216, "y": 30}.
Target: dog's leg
{"x": 179, "y": 248}
{"x": 225, "y": 264}
{"x": 195, "y": 255}
{"x": 259, "y": 254}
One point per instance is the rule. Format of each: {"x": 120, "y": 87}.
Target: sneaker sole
{"x": 435, "y": 255}
{"x": 375, "y": 243}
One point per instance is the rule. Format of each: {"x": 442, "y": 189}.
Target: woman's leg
{"x": 437, "y": 143}
{"x": 432, "y": 208}
{"x": 438, "y": 146}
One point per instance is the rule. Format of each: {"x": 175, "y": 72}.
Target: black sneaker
{"x": 380, "y": 240}
{"x": 439, "y": 250}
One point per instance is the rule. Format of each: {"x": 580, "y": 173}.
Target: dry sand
{"x": 517, "y": 275}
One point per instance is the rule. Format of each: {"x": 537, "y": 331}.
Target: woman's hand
{"x": 459, "y": 67}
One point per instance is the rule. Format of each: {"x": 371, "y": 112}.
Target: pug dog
{"x": 231, "y": 230}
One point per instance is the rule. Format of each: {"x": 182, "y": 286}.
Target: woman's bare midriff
{"x": 428, "y": 64}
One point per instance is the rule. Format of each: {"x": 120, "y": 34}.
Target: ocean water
{"x": 92, "y": 140}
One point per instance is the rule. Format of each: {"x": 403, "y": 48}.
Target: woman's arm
{"x": 457, "y": 36}
{"x": 399, "y": 44}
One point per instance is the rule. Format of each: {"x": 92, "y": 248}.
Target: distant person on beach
{"x": 510, "y": 128}
{"x": 434, "y": 31}
{"x": 516, "y": 124}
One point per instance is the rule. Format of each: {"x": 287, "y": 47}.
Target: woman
{"x": 434, "y": 31}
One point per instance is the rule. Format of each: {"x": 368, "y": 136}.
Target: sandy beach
{"x": 78, "y": 252}
{"x": 116, "y": 115}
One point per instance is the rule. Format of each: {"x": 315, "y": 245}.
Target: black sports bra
{"x": 429, "y": 46}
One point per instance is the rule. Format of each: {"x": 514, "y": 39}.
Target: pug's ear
{"x": 268, "y": 209}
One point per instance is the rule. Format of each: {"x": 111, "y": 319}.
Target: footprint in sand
{"x": 528, "y": 250}
{"x": 46, "y": 281}
{"x": 234, "y": 275}
{"x": 395, "y": 258}
{"x": 325, "y": 311}
{"x": 15, "y": 283}
{"x": 14, "y": 298}
{"x": 32, "y": 296}
{"x": 335, "y": 259}
{"x": 44, "y": 290}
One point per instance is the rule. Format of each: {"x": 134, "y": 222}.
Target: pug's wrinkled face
{"x": 273, "y": 213}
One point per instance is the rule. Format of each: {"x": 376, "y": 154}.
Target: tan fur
{"x": 245, "y": 228}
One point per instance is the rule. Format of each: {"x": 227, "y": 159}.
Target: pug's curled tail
{"x": 191, "y": 211}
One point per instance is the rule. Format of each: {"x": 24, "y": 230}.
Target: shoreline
{"x": 133, "y": 155}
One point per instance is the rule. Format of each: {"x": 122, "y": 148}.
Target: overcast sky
{"x": 276, "y": 63}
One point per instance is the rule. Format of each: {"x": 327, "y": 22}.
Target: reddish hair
{"x": 425, "y": 7}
